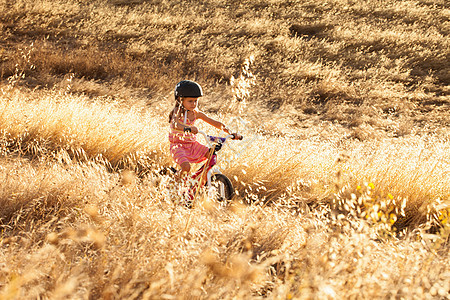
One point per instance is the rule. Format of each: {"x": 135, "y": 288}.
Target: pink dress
{"x": 184, "y": 146}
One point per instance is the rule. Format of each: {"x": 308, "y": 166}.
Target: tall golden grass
{"x": 89, "y": 231}
{"x": 343, "y": 189}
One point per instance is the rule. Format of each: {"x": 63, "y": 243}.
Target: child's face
{"x": 190, "y": 103}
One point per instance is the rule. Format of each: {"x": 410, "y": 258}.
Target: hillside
{"x": 383, "y": 64}
{"x": 343, "y": 183}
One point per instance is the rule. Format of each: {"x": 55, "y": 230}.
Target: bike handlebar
{"x": 209, "y": 139}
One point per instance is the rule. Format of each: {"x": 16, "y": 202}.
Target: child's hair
{"x": 178, "y": 109}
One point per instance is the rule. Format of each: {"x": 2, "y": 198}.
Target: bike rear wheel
{"x": 223, "y": 188}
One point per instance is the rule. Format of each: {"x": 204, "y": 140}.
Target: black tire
{"x": 224, "y": 187}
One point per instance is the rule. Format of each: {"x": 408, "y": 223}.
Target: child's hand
{"x": 237, "y": 136}
{"x": 191, "y": 129}
{"x": 194, "y": 129}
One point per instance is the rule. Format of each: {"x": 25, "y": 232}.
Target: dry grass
{"x": 66, "y": 127}
{"x": 89, "y": 232}
{"x": 343, "y": 193}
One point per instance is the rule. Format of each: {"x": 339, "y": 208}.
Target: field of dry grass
{"x": 343, "y": 182}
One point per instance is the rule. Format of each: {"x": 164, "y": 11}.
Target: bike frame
{"x": 210, "y": 164}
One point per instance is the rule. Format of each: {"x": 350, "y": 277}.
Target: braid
{"x": 177, "y": 110}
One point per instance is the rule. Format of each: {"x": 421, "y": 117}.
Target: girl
{"x": 183, "y": 144}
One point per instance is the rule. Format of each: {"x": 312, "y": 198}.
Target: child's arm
{"x": 217, "y": 124}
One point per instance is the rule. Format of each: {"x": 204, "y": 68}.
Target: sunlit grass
{"x": 50, "y": 123}
{"x": 298, "y": 196}
{"x": 342, "y": 181}
{"x": 62, "y": 202}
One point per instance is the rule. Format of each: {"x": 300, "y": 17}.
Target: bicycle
{"x": 218, "y": 185}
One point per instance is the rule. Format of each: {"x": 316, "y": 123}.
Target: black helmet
{"x": 187, "y": 88}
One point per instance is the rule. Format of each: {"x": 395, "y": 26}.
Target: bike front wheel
{"x": 222, "y": 187}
